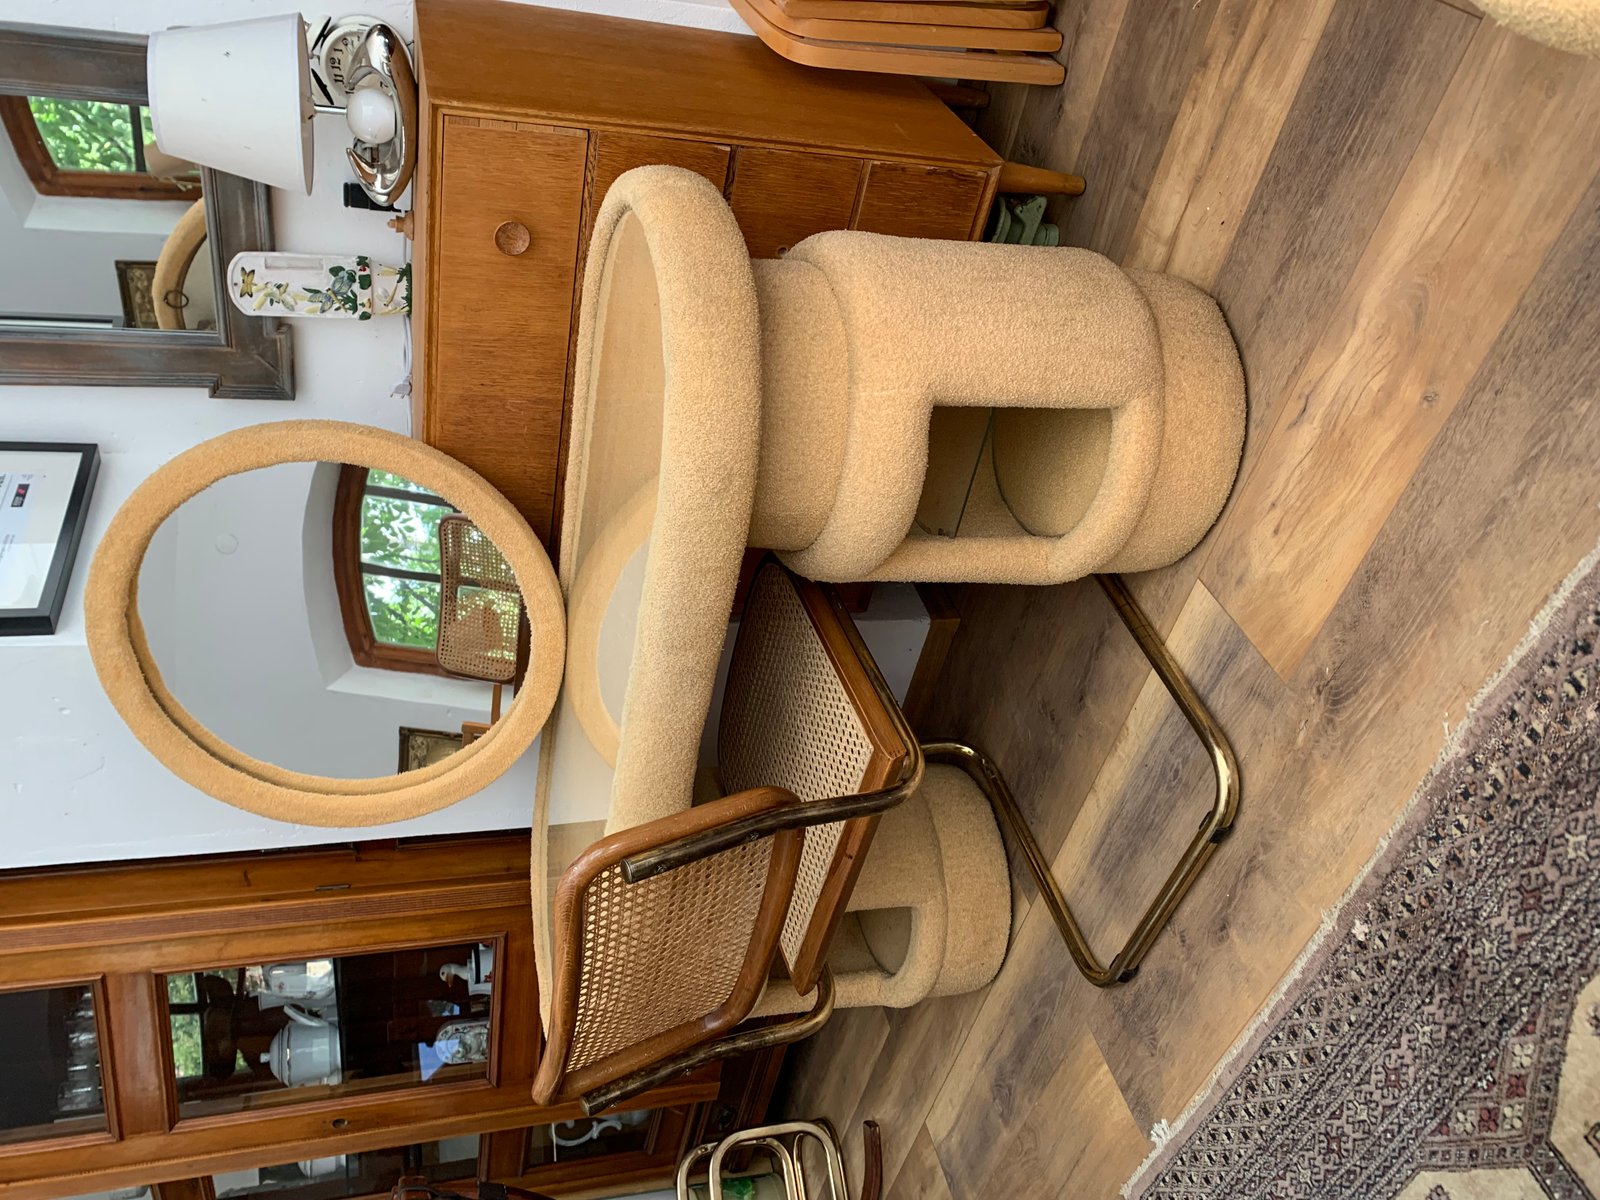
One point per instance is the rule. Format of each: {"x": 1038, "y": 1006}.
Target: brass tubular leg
{"x": 1212, "y": 829}
{"x": 741, "y": 1042}
{"x": 773, "y": 1135}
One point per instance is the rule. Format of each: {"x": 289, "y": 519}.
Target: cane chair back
{"x": 647, "y": 970}
{"x": 806, "y": 710}
{"x": 480, "y": 607}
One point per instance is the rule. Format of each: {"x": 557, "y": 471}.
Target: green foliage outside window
{"x": 89, "y": 135}
{"x": 405, "y": 612}
{"x": 188, "y": 1057}
{"x": 404, "y": 535}
{"x": 187, "y": 1061}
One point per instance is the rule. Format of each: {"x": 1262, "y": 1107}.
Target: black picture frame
{"x": 44, "y": 618}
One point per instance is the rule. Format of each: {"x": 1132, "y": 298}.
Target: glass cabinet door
{"x": 50, "y": 1048}
{"x": 272, "y": 1033}
{"x": 591, "y": 1137}
{"x": 343, "y": 1176}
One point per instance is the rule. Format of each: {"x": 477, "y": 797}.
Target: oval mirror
{"x": 334, "y": 641}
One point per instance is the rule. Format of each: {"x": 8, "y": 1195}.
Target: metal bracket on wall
{"x": 1212, "y": 829}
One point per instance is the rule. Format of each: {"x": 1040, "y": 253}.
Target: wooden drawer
{"x": 616, "y": 151}
{"x": 781, "y": 197}
{"x": 908, "y": 200}
{"x": 503, "y": 257}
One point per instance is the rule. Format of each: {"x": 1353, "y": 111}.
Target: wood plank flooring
{"x": 1397, "y": 205}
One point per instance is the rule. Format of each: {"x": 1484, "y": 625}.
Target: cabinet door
{"x": 616, "y": 1151}
{"x": 311, "y": 1027}
{"x": 508, "y": 209}
{"x": 230, "y": 1013}
{"x": 781, "y": 197}
{"x": 914, "y": 201}
{"x": 51, "y": 1041}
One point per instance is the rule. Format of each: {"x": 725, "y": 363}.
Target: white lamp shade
{"x": 236, "y": 98}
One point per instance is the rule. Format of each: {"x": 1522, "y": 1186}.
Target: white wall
{"x": 143, "y": 16}
{"x": 50, "y": 263}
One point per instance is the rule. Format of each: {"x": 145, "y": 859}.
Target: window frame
{"x": 49, "y": 179}
{"x": 365, "y": 648}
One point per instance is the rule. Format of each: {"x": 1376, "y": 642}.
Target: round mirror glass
{"x": 332, "y": 619}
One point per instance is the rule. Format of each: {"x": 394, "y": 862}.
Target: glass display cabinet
{"x": 304, "y": 1025}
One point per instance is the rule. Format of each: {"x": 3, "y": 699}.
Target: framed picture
{"x": 424, "y": 747}
{"x": 44, "y": 504}
{"x": 135, "y": 281}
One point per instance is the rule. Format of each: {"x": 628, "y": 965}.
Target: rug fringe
{"x": 1164, "y": 1132}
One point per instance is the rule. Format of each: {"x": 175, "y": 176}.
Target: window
{"x": 87, "y": 148}
{"x": 386, "y": 568}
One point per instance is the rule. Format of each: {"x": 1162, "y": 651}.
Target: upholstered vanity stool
{"x": 1118, "y": 408}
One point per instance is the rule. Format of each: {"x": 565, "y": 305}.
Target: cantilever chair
{"x": 666, "y": 934}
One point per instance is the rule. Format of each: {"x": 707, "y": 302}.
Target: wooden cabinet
{"x": 529, "y": 114}
{"x": 303, "y": 1023}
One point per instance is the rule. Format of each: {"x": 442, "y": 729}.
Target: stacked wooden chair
{"x": 1004, "y": 41}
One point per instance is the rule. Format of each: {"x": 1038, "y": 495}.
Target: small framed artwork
{"x": 135, "y": 282}
{"x": 44, "y": 505}
{"x": 423, "y": 747}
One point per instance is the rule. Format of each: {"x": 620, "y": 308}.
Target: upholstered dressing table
{"x": 528, "y": 115}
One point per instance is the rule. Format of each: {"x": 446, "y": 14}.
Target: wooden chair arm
{"x": 571, "y": 910}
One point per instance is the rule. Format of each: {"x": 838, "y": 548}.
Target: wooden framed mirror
{"x": 88, "y": 202}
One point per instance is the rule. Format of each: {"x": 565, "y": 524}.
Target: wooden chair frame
{"x": 568, "y": 915}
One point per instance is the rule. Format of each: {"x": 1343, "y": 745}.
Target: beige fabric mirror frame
{"x": 190, "y": 751}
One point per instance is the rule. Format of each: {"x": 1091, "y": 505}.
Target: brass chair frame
{"x": 1213, "y": 827}
{"x": 782, "y": 1142}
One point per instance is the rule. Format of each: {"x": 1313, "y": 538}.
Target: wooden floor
{"x": 1396, "y": 204}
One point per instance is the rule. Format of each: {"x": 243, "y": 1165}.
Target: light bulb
{"x": 370, "y": 113}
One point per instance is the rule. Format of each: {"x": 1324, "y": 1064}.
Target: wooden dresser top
{"x": 593, "y": 70}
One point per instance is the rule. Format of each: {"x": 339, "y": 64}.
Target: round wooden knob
{"x": 512, "y": 237}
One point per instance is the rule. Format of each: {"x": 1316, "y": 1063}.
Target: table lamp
{"x": 237, "y": 97}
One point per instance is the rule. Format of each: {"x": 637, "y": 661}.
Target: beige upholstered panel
{"x": 788, "y": 722}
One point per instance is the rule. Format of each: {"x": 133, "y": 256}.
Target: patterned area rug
{"x": 1442, "y": 1042}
